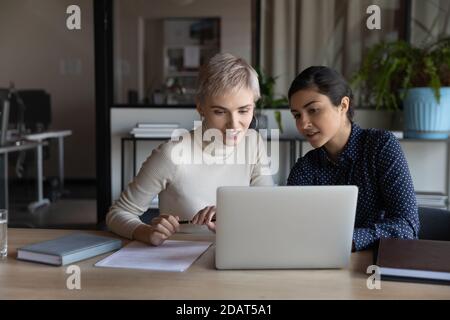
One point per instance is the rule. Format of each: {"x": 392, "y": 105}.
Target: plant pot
{"x": 424, "y": 117}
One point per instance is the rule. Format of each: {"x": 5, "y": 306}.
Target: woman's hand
{"x": 205, "y": 216}
{"x": 163, "y": 227}
{"x": 160, "y": 228}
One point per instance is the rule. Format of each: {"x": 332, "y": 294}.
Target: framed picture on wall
{"x": 188, "y": 43}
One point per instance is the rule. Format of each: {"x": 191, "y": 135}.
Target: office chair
{"x": 37, "y": 117}
{"x": 434, "y": 224}
{"x": 30, "y": 112}
{"x": 13, "y": 110}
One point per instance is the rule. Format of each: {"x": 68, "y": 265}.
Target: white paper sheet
{"x": 172, "y": 255}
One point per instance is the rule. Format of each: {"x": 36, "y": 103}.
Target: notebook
{"x": 68, "y": 249}
{"x": 414, "y": 260}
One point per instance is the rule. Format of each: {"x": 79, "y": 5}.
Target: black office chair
{"x": 37, "y": 117}
{"x": 4, "y": 94}
{"x": 434, "y": 224}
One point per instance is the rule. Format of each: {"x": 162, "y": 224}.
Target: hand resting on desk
{"x": 160, "y": 228}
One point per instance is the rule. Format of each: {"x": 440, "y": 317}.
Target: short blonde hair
{"x": 226, "y": 73}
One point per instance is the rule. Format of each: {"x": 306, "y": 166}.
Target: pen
{"x": 189, "y": 221}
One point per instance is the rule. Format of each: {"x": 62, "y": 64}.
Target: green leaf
{"x": 278, "y": 120}
{"x": 268, "y": 97}
{"x": 388, "y": 68}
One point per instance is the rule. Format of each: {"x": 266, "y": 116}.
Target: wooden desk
{"x": 26, "y": 280}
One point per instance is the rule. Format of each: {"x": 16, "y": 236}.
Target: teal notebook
{"x": 68, "y": 249}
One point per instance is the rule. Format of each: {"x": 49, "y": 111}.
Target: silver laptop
{"x": 285, "y": 227}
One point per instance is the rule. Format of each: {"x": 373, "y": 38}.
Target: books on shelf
{"x": 414, "y": 260}
{"x": 157, "y": 125}
{"x": 68, "y": 249}
{"x": 431, "y": 200}
{"x": 153, "y": 135}
{"x": 398, "y": 134}
{"x": 154, "y": 130}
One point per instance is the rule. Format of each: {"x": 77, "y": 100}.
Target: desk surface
{"x": 27, "y": 280}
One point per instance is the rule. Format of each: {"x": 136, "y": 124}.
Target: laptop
{"x": 292, "y": 227}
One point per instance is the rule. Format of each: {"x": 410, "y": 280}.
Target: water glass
{"x": 3, "y": 233}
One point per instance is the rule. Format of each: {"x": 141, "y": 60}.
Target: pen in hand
{"x": 189, "y": 221}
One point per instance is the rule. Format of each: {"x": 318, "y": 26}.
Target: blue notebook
{"x": 68, "y": 249}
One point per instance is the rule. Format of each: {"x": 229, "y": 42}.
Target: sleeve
{"x": 153, "y": 177}
{"x": 400, "y": 218}
{"x": 262, "y": 172}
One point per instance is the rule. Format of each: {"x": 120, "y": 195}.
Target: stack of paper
{"x": 154, "y": 130}
{"x": 398, "y": 134}
{"x": 432, "y": 201}
{"x": 172, "y": 255}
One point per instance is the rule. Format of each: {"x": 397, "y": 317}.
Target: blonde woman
{"x": 226, "y": 95}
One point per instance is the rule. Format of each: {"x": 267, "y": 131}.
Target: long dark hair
{"x": 327, "y": 82}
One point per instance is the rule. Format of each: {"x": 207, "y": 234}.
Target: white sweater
{"x": 186, "y": 183}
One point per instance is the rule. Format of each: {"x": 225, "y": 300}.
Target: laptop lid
{"x": 285, "y": 227}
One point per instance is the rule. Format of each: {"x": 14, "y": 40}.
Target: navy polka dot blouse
{"x": 372, "y": 160}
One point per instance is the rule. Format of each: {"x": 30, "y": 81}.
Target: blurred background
{"x": 78, "y": 94}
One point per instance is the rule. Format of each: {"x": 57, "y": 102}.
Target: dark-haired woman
{"x": 321, "y": 103}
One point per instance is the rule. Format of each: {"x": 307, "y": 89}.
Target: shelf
{"x": 201, "y": 46}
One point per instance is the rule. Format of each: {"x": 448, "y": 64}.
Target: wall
{"x": 38, "y": 51}
{"x": 235, "y": 31}
{"x": 430, "y": 21}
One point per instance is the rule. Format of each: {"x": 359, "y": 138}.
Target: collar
{"x": 350, "y": 150}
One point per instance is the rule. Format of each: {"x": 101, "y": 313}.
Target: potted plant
{"x": 268, "y": 100}
{"x": 398, "y": 75}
